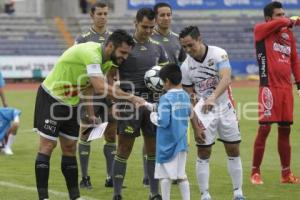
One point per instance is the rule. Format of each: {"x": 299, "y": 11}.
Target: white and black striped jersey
{"x": 203, "y": 75}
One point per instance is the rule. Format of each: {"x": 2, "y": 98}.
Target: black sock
{"x": 153, "y": 183}
{"x": 42, "y": 166}
{"x": 119, "y": 171}
{"x": 145, "y": 164}
{"x": 84, "y": 150}
{"x": 109, "y": 151}
{"x": 70, "y": 172}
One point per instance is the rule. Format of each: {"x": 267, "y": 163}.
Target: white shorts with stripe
{"x": 174, "y": 169}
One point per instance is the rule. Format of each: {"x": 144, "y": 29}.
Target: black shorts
{"x": 53, "y": 118}
{"x": 131, "y": 121}
{"x": 102, "y": 109}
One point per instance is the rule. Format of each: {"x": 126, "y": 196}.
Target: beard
{"x": 116, "y": 60}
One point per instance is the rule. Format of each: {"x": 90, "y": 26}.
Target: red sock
{"x": 259, "y": 147}
{"x": 284, "y": 149}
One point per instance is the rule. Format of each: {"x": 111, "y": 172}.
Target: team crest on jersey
{"x": 224, "y": 57}
{"x": 210, "y": 62}
{"x": 165, "y": 39}
{"x": 267, "y": 100}
{"x": 101, "y": 38}
{"x": 143, "y": 48}
{"x": 285, "y": 36}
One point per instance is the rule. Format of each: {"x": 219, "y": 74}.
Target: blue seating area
{"x": 39, "y": 36}
{"x": 29, "y": 36}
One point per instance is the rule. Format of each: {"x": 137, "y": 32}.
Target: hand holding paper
{"x": 98, "y": 131}
{"x": 205, "y": 119}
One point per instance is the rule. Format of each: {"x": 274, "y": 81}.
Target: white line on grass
{"x": 33, "y": 189}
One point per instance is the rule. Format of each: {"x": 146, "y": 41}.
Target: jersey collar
{"x": 93, "y": 31}
{"x": 157, "y": 32}
{"x": 204, "y": 56}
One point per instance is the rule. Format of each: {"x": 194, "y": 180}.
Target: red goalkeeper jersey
{"x": 276, "y": 53}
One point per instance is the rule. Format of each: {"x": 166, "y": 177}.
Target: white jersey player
{"x": 206, "y": 73}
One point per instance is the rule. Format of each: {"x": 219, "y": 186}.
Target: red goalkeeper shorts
{"x": 275, "y": 105}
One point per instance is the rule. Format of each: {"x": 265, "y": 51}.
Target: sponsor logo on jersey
{"x": 267, "y": 98}
{"x": 211, "y": 82}
{"x": 281, "y": 48}
{"x": 50, "y": 125}
{"x": 262, "y": 58}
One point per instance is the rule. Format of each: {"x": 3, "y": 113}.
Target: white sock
{"x": 202, "y": 172}
{"x": 10, "y": 140}
{"x": 234, "y": 165}
{"x": 184, "y": 187}
{"x": 165, "y": 186}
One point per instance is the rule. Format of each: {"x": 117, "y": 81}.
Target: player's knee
{"x": 110, "y": 136}
{"x": 47, "y": 147}
{"x": 232, "y": 150}
{"x": 124, "y": 151}
{"x": 204, "y": 152}
{"x": 68, "y": 148}
{"x": 14, "y": 127}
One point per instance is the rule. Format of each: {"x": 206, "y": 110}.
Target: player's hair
{"x": 269, "y": 8}
{"x": 192, "y": 31}
{"x": 144, "y": 12}
{"x": 160, "y": 5}
{"x": 171, "y": 72}
{"x": 118, "y": 37}
{"x": 98, "y": 5}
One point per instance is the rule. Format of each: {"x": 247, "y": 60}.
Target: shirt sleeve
{"x": 164, "y": 112}
{"x": 93, "y": 63}
{"x": 264, "y": 29}
{"x": 222, "y": 60}
{"x": 79, "y": 39}
{"x": 186, "y": 80}
{"x": 295, "y": 64}
{"x": 2, "y": 82}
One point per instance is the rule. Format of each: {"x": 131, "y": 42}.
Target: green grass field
{"x": 17, "y": 179}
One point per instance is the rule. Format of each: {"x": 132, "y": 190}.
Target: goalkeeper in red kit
{"x": 277, "y": 59}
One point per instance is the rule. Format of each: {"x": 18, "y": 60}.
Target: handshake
{"x": 153, "y": 115}
{"x": 295, "y": 20}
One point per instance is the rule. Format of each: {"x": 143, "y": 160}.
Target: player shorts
{"x": 53, "y": 118}
{"x": 174, "y": 169}
{"x": 276, "y": 105}
{"x": 102, "y": 109}
{"x": 224, "y": 124}
{"x": 132, "y": 120}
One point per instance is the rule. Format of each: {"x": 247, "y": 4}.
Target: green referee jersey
{"x": 72, "y": 71}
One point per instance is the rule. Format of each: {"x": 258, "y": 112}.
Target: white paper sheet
{"x": 98, "y": 131}
{"x": 206, "y": 119}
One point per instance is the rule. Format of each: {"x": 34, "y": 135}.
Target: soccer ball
{"x": 152, "y": 80}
